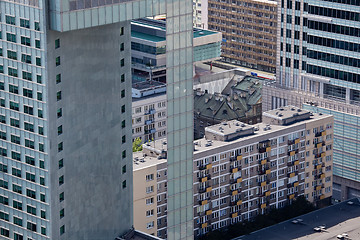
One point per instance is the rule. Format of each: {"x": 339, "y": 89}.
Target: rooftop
{"x": 247, "y": 132}
{"x": 337, "y": 219}
{"x": 146, "y": 85}
{"x": 286, "y": 112}
{"x": 154, "y": 30}
{"x": 141, "y": 160}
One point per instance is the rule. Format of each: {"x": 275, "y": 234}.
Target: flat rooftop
{"x": 141, "y": 161}
{"x": 229, "y": 127}
{"x": 144, "y": 85}
{"x": 286, "y": 112}
{"x": 337, "y": 219}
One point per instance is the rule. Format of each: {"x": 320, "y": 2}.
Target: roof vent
{"x": 299, "y": 110}
{"x": 242, "y": 125}
{"x": 292, "y": 109}
{"x": 320, "y": 114}
{"x": 256, "y": 129}
{"x": 239, "y": 130}
{"x": 281, "y": 109}
{"x": 280, "y": 114}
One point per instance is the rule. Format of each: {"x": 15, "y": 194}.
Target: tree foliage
{"x": 137, "y": 145}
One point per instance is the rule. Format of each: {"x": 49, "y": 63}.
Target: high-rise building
{"x": 249, "y": 31}
{"x": 241, "y": 170}
{"x": 318, "y": 57}
{"x": 66, "y": 169}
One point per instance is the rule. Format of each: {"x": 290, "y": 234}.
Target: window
{"x": 18, "y": 221}
{"x": 4, "y": 232}
{"x": 4, "y": 216}
{"x": 124, "y": 184}
{"x": 58, "y": 95}
{"x": 123, "y": 154}
{"x": 30, "y": 177}
{"x": 62, "y": 213}
{"x": 14, "y": 106}
{"x": 61, "y": 197}
{"x": 61, "y": 163}
{"x": 124, "y": 169}
{"x": 43, "y": 230}
{"x": 149, "y": 177}
{"x": 31, "y": 209}
{"x": 150, "y": 213}
{"x": 62, "y": 229}
{"x": 41, "y": 130}
{"x": 13, "y": 89}
{"x": 12, "y": 72}
{"x": 60, "y": 130}
{"x": 25, "y": 41}
{"x": 122, "y": 93}
{"x": 27, "y": 93}
{"x": 121, "y": 31}
{"x": 10, "y": 20}
{"x": 17, "y": 188}
{"x": 58, "y": 78}
{"x": 40, "y": 113}
{"x": 41, "y": 147}
{"x": 17, "y": 205}
{"x": 14, "y": 122}
{"x": 25, "y": 58}
{"x": 2, "y": 119}
{"x": 150, "y": 225}
{"x": 37, "y": 43}
{"x": 150, "y": 189}
{"x": 12, "y": 55}
{"x": 38, "y": 61}
{"x": 61, "y": 180}
{"x": 3, "y": 168}
{"x": 15, "y": 139}
{"x": 123, "y": 124}
{"x": 4, "y": 184}
{"x": 149, "y": 201}
{"x": 60, "y": 147}
{"x": 122, "y": 108}
{"x": 30, "y": 193}
{"x": 30, "y": 160}
{"x": 57, "y": 61}
{"x": 42, "y": 197}
{"x": 37, "y": 26}
{"x": 123, "y": 139}
{"x": 24, "y": 23}
{"x": 59, "y": 112}
{"x": 15, "y": 156}
{"x": 122, "y": 62}
{"x": 38, "y": 79}
{"x": 122, "y": 47}
{"x": 42, "y": 181}
{"x": 11, "y": 37}
{"x": 39, "y": 96}
{"x": 42, "y": 164}
{"x": 16, "y": 172}
{"x": 29, "y": 143}
{"x": 57, "y": 43}
{"x": 31, "y": 226}
{"x": 122, "y": 78}
{"x": 28, "y": 110}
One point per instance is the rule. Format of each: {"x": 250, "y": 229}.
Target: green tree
{"x": 137, "y": 145}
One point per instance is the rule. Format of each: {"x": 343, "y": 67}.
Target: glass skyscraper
{"x": 318, "y": 67}
{"x": 66, "y": 165}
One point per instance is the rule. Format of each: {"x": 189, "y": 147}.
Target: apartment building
{"x": 249, "y": 31}
{"x": 200, "y": 11}
{"x": 243, "y": 170}
{"x": 318, "y": 69}
{"x": 149, "y": 110}
{"x": 65, "y": 83}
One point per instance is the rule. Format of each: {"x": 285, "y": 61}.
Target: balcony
{"x": 264, "y": 149}
{"x": 236, "y": 158}
{"x": 151, "y": 111}
{"x": 234, "y": 169}
{"x": 148, "y": 122}
{"x": 207, "y": 166}
{"x": 319, "y": 134}
{"x": 236, "y": 180}
{"x": 205, "y": 189}
{"x": 204, "y": 178}
{"x": 150, "y": 131}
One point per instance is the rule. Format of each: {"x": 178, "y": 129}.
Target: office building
{"x": 243, "y": 170}
{"x": 249, "y": 31}
{"x": 148, "y": 110}
{"x": 148, "y": 48}
{"x": 66, "y": 169}
{"x": 318, "y": 69}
